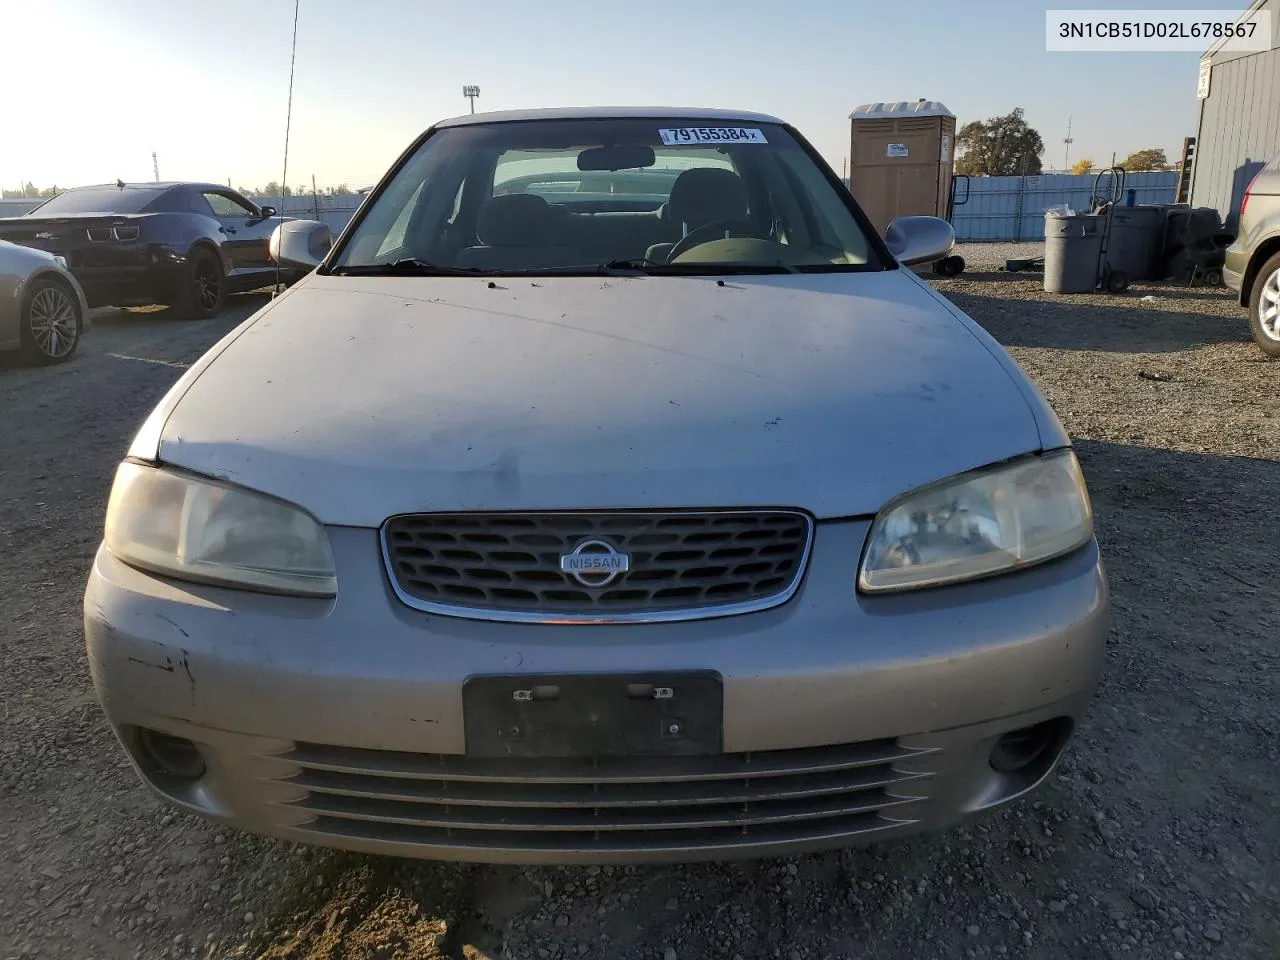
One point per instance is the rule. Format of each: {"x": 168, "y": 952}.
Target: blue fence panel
{"x": 1012, "y": 208}
{"x": 333, "y": 209}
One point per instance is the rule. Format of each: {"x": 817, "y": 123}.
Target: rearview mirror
{"x": 300, "y": 243}
{"x": 267, "y": 212}
{"x": 914, "y": 240}
{"x": 619, "y": 157}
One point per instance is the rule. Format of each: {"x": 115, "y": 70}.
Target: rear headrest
{"x": 706, "y": 195}
{"x": 516, "y": 220}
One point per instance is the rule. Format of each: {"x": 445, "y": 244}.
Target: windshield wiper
{"x": 633, "y": 263}
{"x": 408, "y": 267}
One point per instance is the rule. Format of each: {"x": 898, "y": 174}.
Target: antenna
{"x": 1066, "y": 154}
{"x": 155, "y": 166}
{"x": 470, "y": 91}
{"x": 288, "y": 117}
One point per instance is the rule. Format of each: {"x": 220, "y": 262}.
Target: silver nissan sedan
{"x": 609, "y": 491}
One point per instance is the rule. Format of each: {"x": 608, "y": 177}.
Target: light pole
{"x": 471, "y": 92}
{"x": 1066, "y": 156}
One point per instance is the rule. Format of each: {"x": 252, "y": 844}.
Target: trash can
{"x": 1071, "y": 245}
{"x": 1137, "y": 240}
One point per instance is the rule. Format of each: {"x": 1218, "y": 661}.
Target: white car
{"x": 610, "y": 491}
{"x": 43, "y": 312}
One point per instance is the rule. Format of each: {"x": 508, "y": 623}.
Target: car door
{"x": 246, "y": 229}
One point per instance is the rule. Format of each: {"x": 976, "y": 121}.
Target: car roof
{"x": 609, "y": 113}
{"x": 149, "y": 185}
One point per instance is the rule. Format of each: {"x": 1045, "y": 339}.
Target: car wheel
{"x": 1264, "y": 307}
{"x": 204, "y": 288}
{"x": 50, "y": 323}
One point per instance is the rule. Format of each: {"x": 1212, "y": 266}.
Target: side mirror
{"x": 919, "y": 239}
{"x": 300, "y": 243}
{"x": 267, "y": 213}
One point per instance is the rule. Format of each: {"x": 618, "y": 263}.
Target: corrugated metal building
{"x": 1239, "y": 120}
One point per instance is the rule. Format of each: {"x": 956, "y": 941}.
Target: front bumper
{"x": 846, "y": 719}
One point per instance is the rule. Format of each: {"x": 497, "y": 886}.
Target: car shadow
{"x": 1159, "y": 288}
{"x": 124, "y": 318}
{"x": 1149, "y": 318}
{"x": 985, "y": 275}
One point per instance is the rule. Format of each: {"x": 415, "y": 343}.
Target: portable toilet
{"x": 901, "y": 159}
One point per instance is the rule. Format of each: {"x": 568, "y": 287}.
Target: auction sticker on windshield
{"x": 674, "y": 136}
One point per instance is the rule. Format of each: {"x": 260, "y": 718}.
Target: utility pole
{"x": 470, "y": 91}
{"x": 155, "y": 166}
{"x": 1066, "y": 155}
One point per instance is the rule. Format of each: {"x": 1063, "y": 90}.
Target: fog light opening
{"x": 1030, "y": 747}
{"x": 175, "y": 757}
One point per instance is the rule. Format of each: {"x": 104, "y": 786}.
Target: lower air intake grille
{"x": 742, "y": 799}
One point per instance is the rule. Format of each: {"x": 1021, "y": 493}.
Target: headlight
{"x": 196, "y": 529}
{"x": 980, "y": 523}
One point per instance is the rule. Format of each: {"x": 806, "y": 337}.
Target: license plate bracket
{"x": 657, "y": 714}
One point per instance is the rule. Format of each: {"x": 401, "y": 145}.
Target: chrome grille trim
{"x": 641, "y": 804}
{"x": 586, "y": 608}
{"x": 725, "y": 766}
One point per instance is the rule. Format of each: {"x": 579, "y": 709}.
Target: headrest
{"x": 516, "y": 220}
{"x": 707, "y": 195}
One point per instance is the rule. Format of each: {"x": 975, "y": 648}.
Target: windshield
{"x": 570, "y": 196}
{"x": 97, "y": 200}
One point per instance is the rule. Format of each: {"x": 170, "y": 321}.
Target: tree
{"x": 999, "y": 147}
{"x": 30, "y": 191}
{"x": 1082, "y": 166}
{"x": 1150, "y": 159}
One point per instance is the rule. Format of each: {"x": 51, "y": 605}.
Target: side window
{"x": 457, "y": 203}
{"x": 227, "y": 206}
{"x": 394, "y": 239}
{"x": 196, "y": 203}
{"x": 171, "y": 201}
{"x": 806, "y": 182}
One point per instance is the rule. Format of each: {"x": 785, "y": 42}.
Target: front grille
{"x": 682, "y": 564}
{"x": 684, "y": 803}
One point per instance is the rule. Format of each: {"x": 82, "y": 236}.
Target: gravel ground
{"x": 1158, "y": 837}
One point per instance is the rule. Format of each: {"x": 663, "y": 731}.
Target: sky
{"x": 206, "y": 86}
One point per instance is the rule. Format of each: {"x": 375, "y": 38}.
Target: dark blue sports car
{"x": 183, "y": 244}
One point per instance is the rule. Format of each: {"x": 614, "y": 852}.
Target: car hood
{"x": 361, "y": 398}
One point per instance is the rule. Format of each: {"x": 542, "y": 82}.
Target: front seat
{"x": 701, "y": 196}
{"x": 519, "y": 231}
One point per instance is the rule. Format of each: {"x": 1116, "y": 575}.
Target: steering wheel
{"x": 713, "y": 231}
